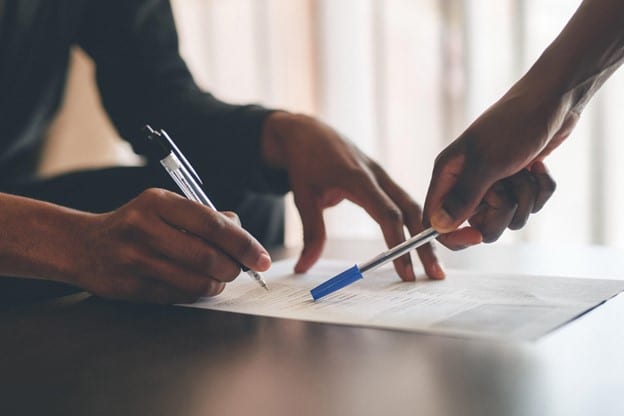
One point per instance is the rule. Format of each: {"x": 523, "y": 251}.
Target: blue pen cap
{"x": 337, "y": 282}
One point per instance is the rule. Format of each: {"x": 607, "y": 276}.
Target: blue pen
{"x": 355, "y": 273}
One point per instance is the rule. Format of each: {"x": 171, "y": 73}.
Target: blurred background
{"x": 401, "y": 78}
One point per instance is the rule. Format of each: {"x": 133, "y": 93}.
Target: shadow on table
{"x": 93, "y": 357}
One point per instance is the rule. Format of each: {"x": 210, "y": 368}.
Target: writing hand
{"x": 163, "y": 248}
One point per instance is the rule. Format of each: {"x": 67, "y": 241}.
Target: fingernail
{"x": 264, "y": 261}
{"x": 437, "y": 272}
{"x": 442, "y": 221}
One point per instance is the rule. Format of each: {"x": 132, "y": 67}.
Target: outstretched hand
{"x": 324, "y": 169}
{"x": 497, "y": 163}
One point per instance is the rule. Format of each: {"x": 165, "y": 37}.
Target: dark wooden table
{"x": 84, "y": 356}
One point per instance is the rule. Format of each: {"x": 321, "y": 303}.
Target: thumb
{"x": 313, "y": 231}
{"x": 455, "y": 192}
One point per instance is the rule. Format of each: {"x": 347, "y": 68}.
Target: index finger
{"x": 215, "y": 228}
{"x": 370, "y": 196}
{"x": 413, "y": 219}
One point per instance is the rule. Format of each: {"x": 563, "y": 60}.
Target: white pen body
{"x": 185, "y": 180}
{"x": 193, "y": 191}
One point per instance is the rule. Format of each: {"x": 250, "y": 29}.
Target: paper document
{"x": 466, "y": 303}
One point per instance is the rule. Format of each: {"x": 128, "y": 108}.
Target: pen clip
{"x": 180, "y": 156}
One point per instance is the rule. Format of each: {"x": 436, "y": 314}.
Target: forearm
{"x": 36, "y": 238}
{"x": 588, "y": 50}
{"x": 143, "y": 79}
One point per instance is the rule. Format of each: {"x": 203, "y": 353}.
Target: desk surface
{"x": 83, "y": 356}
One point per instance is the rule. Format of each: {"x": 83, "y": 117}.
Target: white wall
{"x": 401, "y": 78}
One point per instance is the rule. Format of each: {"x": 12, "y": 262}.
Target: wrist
{"x": 73, "y": 262}
{"x": 40, "y": 239}
{"x": 549, "y": 82}
{"x": 547, "y": 99}
{"x": 277, "y": 134}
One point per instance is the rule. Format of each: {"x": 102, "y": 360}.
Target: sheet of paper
{"x": 466, "y": 303}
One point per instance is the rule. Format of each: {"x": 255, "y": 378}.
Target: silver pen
{"x": 355, "y": 273}
{"x": 183, "y": 174}
{"x": 395, "y": 252}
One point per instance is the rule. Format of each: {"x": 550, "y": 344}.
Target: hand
{"x": 163, "y": 248}
{"x": 498, "y": 161}
{"x": 507, "y": 204}
{"x": 325, "y": 169}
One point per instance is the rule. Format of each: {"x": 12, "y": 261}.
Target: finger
{"x": 525, "y": 190}
{"x": 461, "y": 238}
{"x": 313, "y": 230}
{"x": 369, "y": 195}
{"x": 496, "y": 217}
{"x": 412, "y": 215}
{"x": 455, "y": 192}
{"x": 181, "y": 278}
{"x": 213, "y": 227}
{"x": 190, "y": 252}
{"x": 146, "y": 290}
{"x": 157, "y": 292}
{"x": 545, "y": 183}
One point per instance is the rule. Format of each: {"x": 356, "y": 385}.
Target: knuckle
{"x": 358, "y": 175}
{"x": 549, "y": 184}
{"x": 152, "y": 194}
{"x": 132, "y": 217}
{"x": 442, "y": 158}
{"x": 213, "y": 225}
{"x": 501, "y": 198}
{"x": 377, "y": 169}
{"x": 523, "y": 183}
{"x": 393, "y": 216}
{"x": 133, "y": 223}
{"x": 414, "y": 208}
{"x": 530, "y": 181}
{"x": 232, "y": 216}
{"x": 413, "y": 214}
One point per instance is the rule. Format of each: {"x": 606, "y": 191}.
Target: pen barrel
{"x": 185, "y": 180}
{"x": 396, "y": 252}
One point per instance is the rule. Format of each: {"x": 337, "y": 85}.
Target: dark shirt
{"x": 141, "y": 77}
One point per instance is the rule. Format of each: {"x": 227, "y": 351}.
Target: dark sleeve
{"x": 143, "y": 80}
